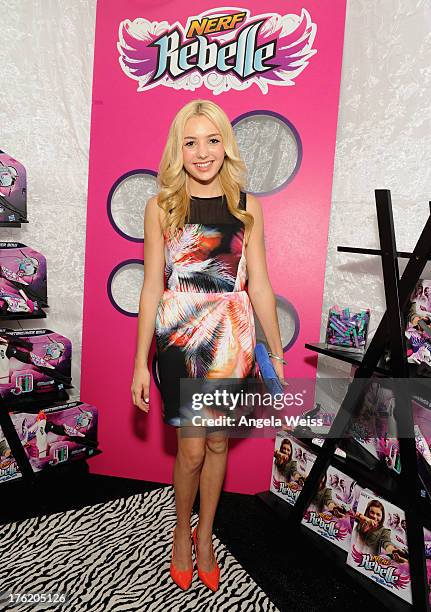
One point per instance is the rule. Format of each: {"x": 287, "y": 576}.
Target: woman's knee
{"x": 192, "y": 456}
{"x": 217, "y": 444}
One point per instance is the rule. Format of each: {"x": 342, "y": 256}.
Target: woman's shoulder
{"x": 251, "y": 204}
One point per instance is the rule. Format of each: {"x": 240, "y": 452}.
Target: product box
{"x": 34, "y": 363}
{"x": 375, "y": 427}
{"x": 376, "y": 430}
{"x": 22, "y": 280}
{"x": 427, "y": 538}
{"x": 291, "y": 465}
{"x": 9, "y": 469}
{"x": 379, "y": 545}
{"x": 332, "y": 511}
{"x": 57, "y": 434}
{"x": 418, "y": 330}
{"x": 13, "y": 190}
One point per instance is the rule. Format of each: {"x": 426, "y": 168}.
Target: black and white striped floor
{"x": 115, "y": 557}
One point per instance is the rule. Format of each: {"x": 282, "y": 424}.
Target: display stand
{"x": 410, "y": 489}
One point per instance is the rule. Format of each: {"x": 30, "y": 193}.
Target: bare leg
{"x": 211, "y": 482}
{"x": 188, "y": 464}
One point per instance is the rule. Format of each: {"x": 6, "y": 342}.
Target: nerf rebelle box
{"x": 22, "y": 280}
{"x": 379, "y": 545}
{"x": 9, "y": 469}
{"x": 34, "y": 363}
{"x": 13, "y": 191}
{"x": 291, "y": 465}
{"x": 333, "y": 508}
{"x": 57, "y": 434}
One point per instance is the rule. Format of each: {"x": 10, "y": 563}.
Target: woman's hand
{"x": 141, "y": 388}
{"x": 278, "y": 367}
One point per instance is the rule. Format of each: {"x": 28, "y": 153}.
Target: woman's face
{"x": 203, "y": 150}
{"x": 286, "y": 449}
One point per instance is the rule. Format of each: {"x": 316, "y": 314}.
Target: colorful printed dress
{"x": 204, "y": 323}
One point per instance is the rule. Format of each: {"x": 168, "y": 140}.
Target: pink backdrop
{"x": 128, "y": 131}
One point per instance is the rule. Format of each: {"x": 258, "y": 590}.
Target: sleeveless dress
{"x": 204, "y": 322}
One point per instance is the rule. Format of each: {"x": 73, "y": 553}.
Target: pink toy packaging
{"x": 427, "y": 538}
{"x": 379, "y": 544}
{"x": 375, "y": 427}
{"x": 9, "y": 469}
{"x": 291, "y": 466}
{"x": 34, "y": 364}
{"x": 57, "y": 434}
{"x": 13, "y": 191}
{"x": 23, "y": 288}
{"x": 333, "y": 508}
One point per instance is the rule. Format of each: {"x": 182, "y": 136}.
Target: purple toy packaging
{"x": 374, "y": 426}
{"x": 57, "y": 434}
{"x": 379, "y": 544}
{"x": 13, "y": 191}
{"x": 34, "y": 363}
{"x": 347, "y": 330}
{"x": 333, "y": 508}
{"x": 9, "y": 469}
{"x": 22, "y": 280}
{"x": 427, "y": 538}
{"x": 418, "y": 330}
{"x": 292, "y": 464}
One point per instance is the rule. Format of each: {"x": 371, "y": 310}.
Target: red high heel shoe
{"x": 210, "y": 579}
{"x": 183, "y": 578}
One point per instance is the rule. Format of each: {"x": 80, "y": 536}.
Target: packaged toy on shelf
{"x": 13, "y": 191}
{"x": 57, "y": 434}
{"x": 427, "y": 538}
{"x": 418, "y": 330}
{"x": 374, "y": 426}
{"x": 34, "y": 363}
{"x": 23, "y": 288}
{"x": 332, "y": 511}
{"x": 379, "y": 545}
{"x": 9, "y": 469}
{"x": 347, "y": 330}
{"x": 292, "y": 464}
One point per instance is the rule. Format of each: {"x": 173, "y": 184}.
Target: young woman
{"x": 205, "y": 235}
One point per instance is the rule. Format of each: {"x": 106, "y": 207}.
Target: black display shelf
{"x": 29, "y": 403}
{"x": 405, "y": 489}
{"x": 361, "y": 251}
{"x": 352, "y": 358}
{"x": 335, "y": 555}
{"x": 9, "y": 486}
{"x": 15, "y": 316}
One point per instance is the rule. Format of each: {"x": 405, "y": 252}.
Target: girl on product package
{"x": 203, "y": 235}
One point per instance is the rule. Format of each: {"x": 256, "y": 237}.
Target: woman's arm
{"x": 259, "y": 286}
{"x": 151, "y": 293}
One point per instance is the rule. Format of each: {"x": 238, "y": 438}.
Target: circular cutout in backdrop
{"x": 124, "y": 286}
{"x": 271, "y": 148}
{"x": 289, "y": 323}
{"x": 127, "y": 199}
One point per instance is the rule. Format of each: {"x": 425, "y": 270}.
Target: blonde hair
{"x": 174, "y": 195}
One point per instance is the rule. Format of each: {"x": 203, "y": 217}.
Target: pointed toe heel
{"x": 210, "y": 579}
{"x": 183, "y": 578}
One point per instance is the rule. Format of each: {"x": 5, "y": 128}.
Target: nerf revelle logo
{"x": 221, "y": 49}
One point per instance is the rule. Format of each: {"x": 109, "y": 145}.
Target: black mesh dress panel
{"x": 213, "y": 210}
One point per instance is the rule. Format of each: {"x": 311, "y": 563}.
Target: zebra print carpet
{"x": 115, "y": 557}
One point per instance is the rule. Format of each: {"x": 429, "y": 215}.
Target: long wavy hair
{"x": 174, "y": 194}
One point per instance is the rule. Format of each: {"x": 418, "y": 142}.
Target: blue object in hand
{"x": 267, "y": 371}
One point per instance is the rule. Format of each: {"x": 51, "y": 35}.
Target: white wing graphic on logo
{"x": 293, "y": 35}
